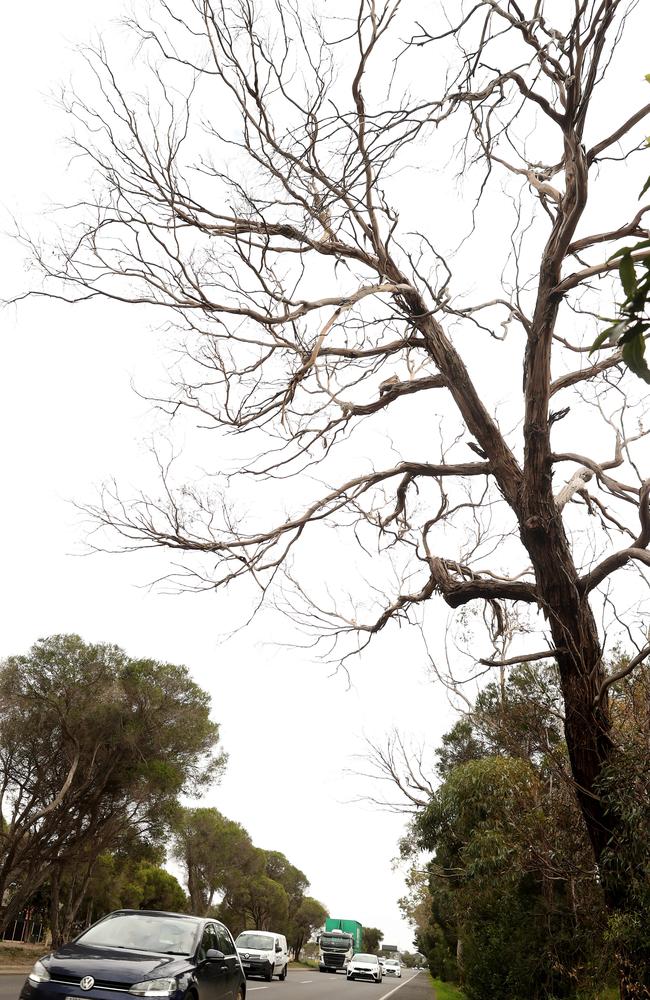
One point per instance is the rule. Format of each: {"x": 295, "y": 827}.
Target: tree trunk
{"x": 54, "y": 909}
{"x": 195, "y": 890}
{"x": 73, "y": 905}
{"x": 562, "y": 598}
{"x": 587, "y": 723}
{"x": 565, "y": 605}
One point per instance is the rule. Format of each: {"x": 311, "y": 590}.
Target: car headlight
{"x": 39, "y": 973}
{"x": 154, "y": 988}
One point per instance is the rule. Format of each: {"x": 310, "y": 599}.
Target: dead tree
{"x": 271, "y": 190}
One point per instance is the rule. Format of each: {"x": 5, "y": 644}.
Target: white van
{"x": 263, "y": 953}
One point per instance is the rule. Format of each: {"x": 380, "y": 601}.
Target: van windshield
{"x": 261, "y": 942}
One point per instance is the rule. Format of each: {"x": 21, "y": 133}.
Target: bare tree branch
{"x": 307, "y": 307}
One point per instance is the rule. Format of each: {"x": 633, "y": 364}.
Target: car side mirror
{"x": 278, "y": 948}
{"x": 214, "y": 955}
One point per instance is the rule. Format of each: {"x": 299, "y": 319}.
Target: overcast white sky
{"x": 71, "y": 420}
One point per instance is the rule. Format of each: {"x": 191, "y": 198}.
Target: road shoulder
{"x": 419, "y": 987}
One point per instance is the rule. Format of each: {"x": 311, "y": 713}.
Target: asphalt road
{"x": 10, "y": 986}
{"x": 303, "y": 984}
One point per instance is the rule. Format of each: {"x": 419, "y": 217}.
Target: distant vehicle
{"x": 381, "y": 961}
{"x": 263, "y": 953}
{"x": 142, "y": 953}
{"x": 363, "y": 966}
{"x": 392, "y": 968}
{"x": 338, "y": 943}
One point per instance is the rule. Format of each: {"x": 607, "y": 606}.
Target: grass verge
{"x": 20, "y": 954}
{"x": 447, "y": 991}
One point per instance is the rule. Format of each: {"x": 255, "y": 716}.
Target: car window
{"x": 209, "y": 940}
{"x": 224, "y": 944}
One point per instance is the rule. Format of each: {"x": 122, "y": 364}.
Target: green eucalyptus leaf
{"x": 634, "y": 357}
{"x": 628, "y": 275}
{"x": 633, "y": 330}
{"x": 601, "y": 338}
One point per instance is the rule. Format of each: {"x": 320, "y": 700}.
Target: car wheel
{"x": 269, "y": 974}
{"x": 240, "y": 994}
{"x": 350, "y": 978}
{"x": 283, "y": 974}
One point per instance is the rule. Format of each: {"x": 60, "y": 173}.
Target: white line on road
{"x": 390, "y": 992}
{"x": 305, "y": 980}
{"x": 250, "y": 989}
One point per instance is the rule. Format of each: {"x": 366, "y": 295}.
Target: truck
{"x": 338, "y": 943}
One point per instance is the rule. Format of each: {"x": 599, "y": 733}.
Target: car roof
{"x": 255, "y": 931}
{"x": 164, "y": 913}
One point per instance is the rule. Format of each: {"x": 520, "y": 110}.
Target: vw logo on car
{"x": 87, "y": 983}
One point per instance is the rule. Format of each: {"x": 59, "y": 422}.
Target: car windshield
{"x": 391, "y": 961}
{"x": 335, "y": 942}
{"x": 143, "y": 932}
{"x": 366, "y": 958}
{"x": 262, "y": 942}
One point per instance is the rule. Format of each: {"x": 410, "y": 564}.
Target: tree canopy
{"x": 371, "y": 940}
{"x": 244, "y": 884}
{"x": 93, "y": 744}
{"x": 506, "y": 897}
{"x": 215, "y": 853}
{"x": 309, "y": 917}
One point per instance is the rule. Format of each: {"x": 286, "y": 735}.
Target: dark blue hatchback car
{"x": 143, "y": 953}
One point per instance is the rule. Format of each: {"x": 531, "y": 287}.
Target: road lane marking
{"x": 250, "y": 989}
{"x": 305, "y": 980}
{"x": 390, "y": 992}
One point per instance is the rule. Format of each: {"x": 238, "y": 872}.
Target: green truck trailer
{"x": 338, "y": 943}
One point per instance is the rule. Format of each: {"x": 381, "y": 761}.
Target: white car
{"x": 363, "y": 966}
{"x": 392, "y": 968}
